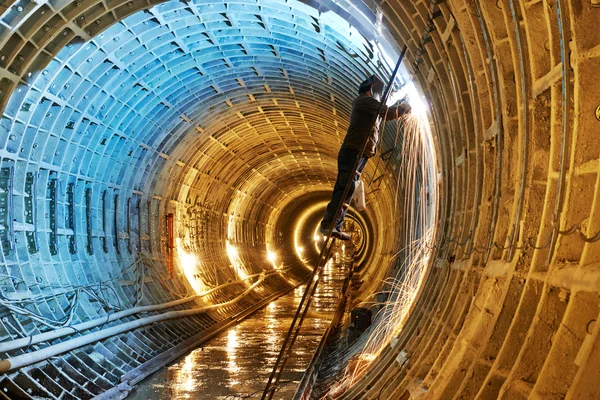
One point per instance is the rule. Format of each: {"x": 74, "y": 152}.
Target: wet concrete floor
{"x": 237, "y": 363}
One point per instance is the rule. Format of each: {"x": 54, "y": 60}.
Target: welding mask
{"x": 374, "y": 84}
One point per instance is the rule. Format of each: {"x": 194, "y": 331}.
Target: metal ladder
{"x": 315, "y": 276}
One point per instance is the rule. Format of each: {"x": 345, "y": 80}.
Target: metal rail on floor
{"x": 133, "y": 377}
{"x": 312, "y": 371}
{"x": 315, "y": 276}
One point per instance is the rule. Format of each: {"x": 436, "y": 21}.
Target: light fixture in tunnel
{"x": 272, "y": 258}
{"x": 300, "y": 252}
{"x": 236, "y": 261}
{"x": 190, "y": 264}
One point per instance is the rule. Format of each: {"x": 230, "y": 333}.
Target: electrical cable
{"x": 527, "y": 243}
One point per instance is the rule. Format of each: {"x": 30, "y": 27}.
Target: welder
{"x": 363, "y": 127}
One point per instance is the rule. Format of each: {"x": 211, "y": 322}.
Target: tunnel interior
{"x": 164, "y": 166}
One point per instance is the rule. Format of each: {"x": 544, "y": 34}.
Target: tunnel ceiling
{"x": 247, "y": 94}
{"x": 128, "y": 113}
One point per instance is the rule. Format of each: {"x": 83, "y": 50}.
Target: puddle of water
{"x": 237, "y": 363}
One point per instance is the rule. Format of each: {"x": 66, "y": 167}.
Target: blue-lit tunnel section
{"x": 145, "y": 170}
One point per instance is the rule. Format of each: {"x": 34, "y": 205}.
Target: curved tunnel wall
{"x": 510, "y": 303}
{"x": 510, "y": 306}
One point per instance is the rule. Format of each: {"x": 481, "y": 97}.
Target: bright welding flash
{"x": 409, "y": 91}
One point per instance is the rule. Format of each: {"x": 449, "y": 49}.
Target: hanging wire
{"x": 527, "y": 243}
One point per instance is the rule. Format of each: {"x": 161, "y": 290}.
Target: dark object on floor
{"x": 361, "y": 318}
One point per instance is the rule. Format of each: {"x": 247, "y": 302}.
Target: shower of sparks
{"x": 415, "y": 207}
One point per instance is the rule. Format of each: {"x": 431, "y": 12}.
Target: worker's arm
{"x": 397, "y": 111}
{"x": 372, "y": 105}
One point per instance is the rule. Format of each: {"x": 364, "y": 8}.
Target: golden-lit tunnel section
{"x": 163, "y": 167}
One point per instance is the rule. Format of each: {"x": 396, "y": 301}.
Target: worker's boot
{"x": 336, "y": 233}
{"x": 340, "y": 235}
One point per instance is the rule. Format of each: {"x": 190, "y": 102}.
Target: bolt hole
{"x": 590, "y": 326}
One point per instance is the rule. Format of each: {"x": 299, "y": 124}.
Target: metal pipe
{"x": 34, "y": 357}
{"x": 524, "y": 137}
{"x": 499, "y": 133}
{"x": 170, "y": 243}
{"x": 70, "y": 330}
{"x": 479, "y": 162}
{"x": 563, "y": 42}
{"x": 11, "y": 207}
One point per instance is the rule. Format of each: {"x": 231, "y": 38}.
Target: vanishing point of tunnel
{"x": 164, "y": 166}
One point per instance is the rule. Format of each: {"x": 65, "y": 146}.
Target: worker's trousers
{"x": 346, "y": 159}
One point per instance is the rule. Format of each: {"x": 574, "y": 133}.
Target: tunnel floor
{"x": 237, "y": 363}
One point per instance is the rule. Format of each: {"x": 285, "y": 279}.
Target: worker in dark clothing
{"x": 361, "y": 128}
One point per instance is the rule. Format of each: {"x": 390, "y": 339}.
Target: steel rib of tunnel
{"x": 130, "y": 123}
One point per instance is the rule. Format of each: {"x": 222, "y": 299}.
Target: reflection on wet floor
{"x": 237, "y": 363}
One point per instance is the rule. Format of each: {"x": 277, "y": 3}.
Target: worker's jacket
{"x": 361, "y": 126}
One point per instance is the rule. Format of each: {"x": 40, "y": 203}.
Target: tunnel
{"x": 164, "y": 166}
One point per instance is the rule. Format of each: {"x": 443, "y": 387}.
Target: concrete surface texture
{"x": 163, "y": 166}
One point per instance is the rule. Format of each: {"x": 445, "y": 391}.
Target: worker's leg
{"x": 361, "y": 166}
{"x": 346, "y": 160}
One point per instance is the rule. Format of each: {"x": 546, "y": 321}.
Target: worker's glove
{"x": 404, "y": 106}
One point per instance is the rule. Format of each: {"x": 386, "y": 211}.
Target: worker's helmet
{"x": 374, "y": 84}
